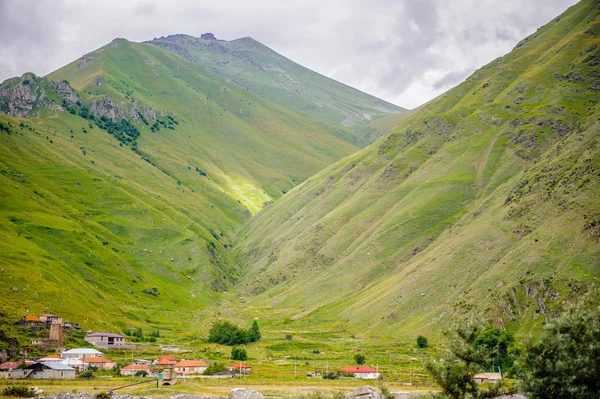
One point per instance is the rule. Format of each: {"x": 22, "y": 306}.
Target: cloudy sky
{"x": 404, "y": 51}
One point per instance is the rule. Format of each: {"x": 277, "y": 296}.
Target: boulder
{"x": 366, "y": 392}
{"x": 244, "y": 393}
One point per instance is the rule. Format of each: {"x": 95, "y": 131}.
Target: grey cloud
{"x": 405, "y": 51}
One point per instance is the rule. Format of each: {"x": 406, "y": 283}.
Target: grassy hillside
{"x": 261, "y": 70}
{"x": 485, "y": 198}
{"x": 118, "y": 200}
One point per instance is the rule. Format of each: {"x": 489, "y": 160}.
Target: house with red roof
{"x": 133, "y": 369}
{"x": 362, "y": 372}
{"x": 9, "y": 366}
{"x": 187, "y": 368}
{"x": 32, "y": 322}
{"x": 166, "y": 361}
{"x": 240, "y": 368}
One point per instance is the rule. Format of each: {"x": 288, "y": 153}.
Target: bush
{"x": 86, "y": 375}
{"x": 102, "y": 395}
{"x": 141, "y": 373}
{"x": 239, "y": 353}
{"x": 19, "y": 390}
{"x": 214, "y": 369}
{"x": 227, "y": 333}
{"x": 422, "y": 342}
{"x": 360, "y": 359}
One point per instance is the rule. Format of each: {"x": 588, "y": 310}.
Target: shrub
{"x": 141, "y": 373}
{"x": 422, "y": 342}
{"x": 214, "y": 369}
{"x": 102, "y": 395}
{"x": 19, "y": 390}
{"x": 227, "y": 333}
{"x": 86, "y": 375}
{"x": 360, "y": 358}
{"x": 239, "y": 353}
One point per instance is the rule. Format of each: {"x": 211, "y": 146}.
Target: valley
{"x": 166, "y": 186}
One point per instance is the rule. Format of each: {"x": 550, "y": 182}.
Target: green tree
{"x": 455, "y": 373}
{"x": 227, "y": 334}
{"x": 254, "y": 332}
{"x": 422, "y": 342}
{"x": 566, "y": 362}
{"x": 496, "y": 345}
{"x": 238, "y": 353}
{"x": 360, "y": 358}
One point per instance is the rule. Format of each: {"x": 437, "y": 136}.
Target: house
{"x": 240, "y": 368}
{"x": 166, "y": 361}
{"x": 101, "y": 363}
{"x": 9, "y": 366}
{"x": 105, "y": 340}
{"x": 50, "y": 319}
{"x": 487, "y": 377}
{"x": 133, "y": 369}
{"x": 32, "y": 322}
{"x": 78, "y": 364}
{"x": 362, "y": 372}
{"x": 79, "y": 353}
{"x": 45, "y": 371}
{"x": 188, "y": 367}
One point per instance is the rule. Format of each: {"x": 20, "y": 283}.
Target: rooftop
{"x": 83, "y": 350}
{"x": 192, "y": 363}
{"x": 358, "y": 369}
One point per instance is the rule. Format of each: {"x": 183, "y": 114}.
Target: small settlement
{"x": 67, "y": 364}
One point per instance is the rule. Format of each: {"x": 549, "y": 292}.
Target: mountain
{"x": 484, "y": 199}
{"x": 124, "y": 176}
{"x": 261, "y": 70}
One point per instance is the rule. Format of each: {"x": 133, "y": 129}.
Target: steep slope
{"x": 485, "y": 198}
{"x": 261, "y": 70}
{"x": 123, "y": 177}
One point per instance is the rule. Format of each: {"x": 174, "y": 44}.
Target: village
{"x": 59, "y": 363}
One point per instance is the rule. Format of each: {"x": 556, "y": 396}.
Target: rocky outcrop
{"x": 20, "y": 96}
{"x": 106, "y": 107}
{"x": 150, "y": 114}
{"x": 244, "y": 393}
{"x": 97, "y": 80}
{"x": 208, "y": 36}
{"x": 84, "y": 61}
{"x": 366, "y": 392}
{"x": 64, "y": 91}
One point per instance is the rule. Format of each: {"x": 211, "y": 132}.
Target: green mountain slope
{"x": 261, "y": 70}
{"x": 485, "y": 198}
{"x": 123, "y": 177}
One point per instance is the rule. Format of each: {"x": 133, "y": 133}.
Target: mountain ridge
{"x": 421, "y": 226}
{"x": 279, "y": 79}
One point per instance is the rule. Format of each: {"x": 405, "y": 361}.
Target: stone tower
{"x": 56, "y": 333}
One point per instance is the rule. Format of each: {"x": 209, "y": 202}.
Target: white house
{"x": 45, "y": 371}
{"x": 362, "y": 372}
